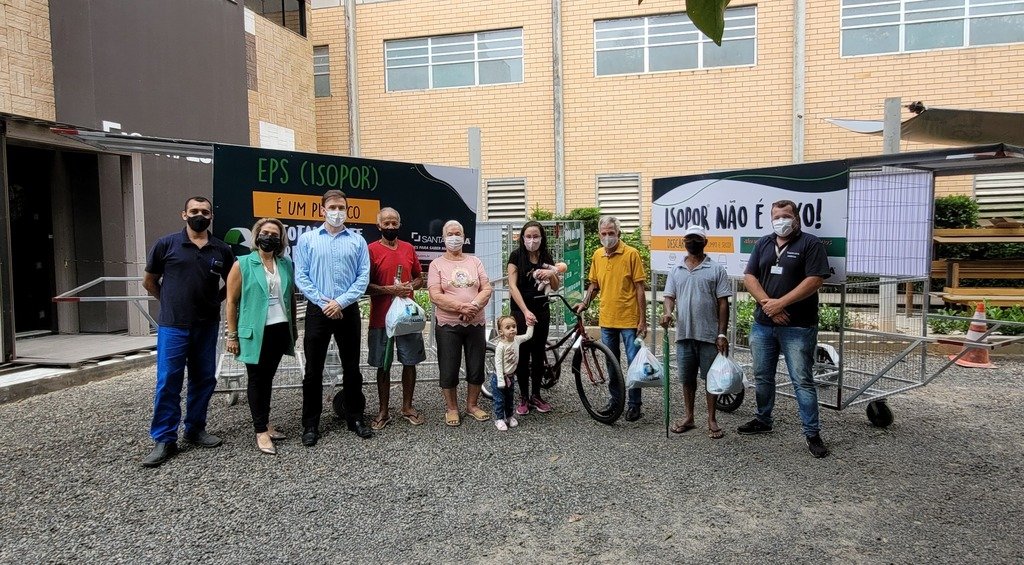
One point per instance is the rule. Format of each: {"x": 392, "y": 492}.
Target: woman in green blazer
{"x": 261, "y": 320}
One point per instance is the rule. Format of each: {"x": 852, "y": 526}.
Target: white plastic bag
{"x": 725, "y": 376}
{"x": 645, "y": 370}
{"x": 404, "y": 317}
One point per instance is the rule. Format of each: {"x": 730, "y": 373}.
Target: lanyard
{"x": 779, "y": 251}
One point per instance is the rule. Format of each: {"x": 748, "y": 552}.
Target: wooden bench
{"x": 970, "y": 296}
{"x": 955, "y": 269}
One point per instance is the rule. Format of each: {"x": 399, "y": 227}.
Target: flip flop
{"x": 679, "y": 427}
{"x": 380, "y": 423}
{"x": 716, "y": 434}
{"x": 478, "y": 414}
{"x": 416, "y": 418}
{"x": 451, "y": 418}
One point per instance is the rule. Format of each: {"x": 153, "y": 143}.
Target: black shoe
{"x": 361, "y": 429}
{"x": 203, "y": 439}
{"x": 161, "y": 452}
{"x": 633, "y": 414}
{"x": 309, "y": 437}
{"x": 816, "y": 446}
{"x": 753, "y": 427}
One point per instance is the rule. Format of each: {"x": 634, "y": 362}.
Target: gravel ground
{"x": 942, "y": 484}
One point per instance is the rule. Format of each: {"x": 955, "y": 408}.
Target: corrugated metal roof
{"x": 126, "y": 144}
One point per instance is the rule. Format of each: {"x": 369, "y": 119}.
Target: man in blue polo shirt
{"x": 332, "y": 269}
{"x": 184, "y": 271}
{"x": 785, "y": 271}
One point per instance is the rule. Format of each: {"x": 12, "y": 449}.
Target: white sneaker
{"x": 501, "y": 425}
{"x": 512, "y": 422}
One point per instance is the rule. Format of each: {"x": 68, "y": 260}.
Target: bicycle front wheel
{"x": 599, "y": 381}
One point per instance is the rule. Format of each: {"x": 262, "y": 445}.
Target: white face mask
{"x": 609, "y": 241}
{"x": 454, "y": 242}
{"x": 782, "y": 227}
{"x": 335, "y": 217}
{"x": 531, "y": 243}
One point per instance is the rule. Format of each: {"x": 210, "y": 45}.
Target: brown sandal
{"x": 416, "y": 418}
{"x": 451, "y": 418}
{"x": 478, "y": 414}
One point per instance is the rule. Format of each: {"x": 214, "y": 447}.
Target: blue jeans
{"x": 611, "y": 337}
{"x": 797, "y": 346}
{"x": 177, "y": 348}
{"x": 502, "y": 397}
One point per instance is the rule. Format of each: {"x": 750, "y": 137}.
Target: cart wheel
{"x": 879, "y": 414}
{"x": 231, "y": 399}
{"x": 338, "y": 403}
{"x": 729, "y": 402}
{"x": 489, "y": 370}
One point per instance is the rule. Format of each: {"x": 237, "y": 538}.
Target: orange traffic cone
{"x": 976, "y": 356}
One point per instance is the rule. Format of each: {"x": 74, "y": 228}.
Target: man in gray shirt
{"x": 701, "y": 290}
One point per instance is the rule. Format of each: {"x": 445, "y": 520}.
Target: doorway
{"x": 29, "y": 173}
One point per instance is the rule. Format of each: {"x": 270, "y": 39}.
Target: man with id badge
{"x": 785, "y": 271}
{"x": 184, "y": 271}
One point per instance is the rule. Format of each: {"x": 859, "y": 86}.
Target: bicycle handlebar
{"x": 555, "y": 295}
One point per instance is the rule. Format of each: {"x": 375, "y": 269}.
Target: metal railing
{"x": 70, "y": 296}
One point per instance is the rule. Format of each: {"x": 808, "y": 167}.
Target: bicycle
{"x": 596, "y": 370}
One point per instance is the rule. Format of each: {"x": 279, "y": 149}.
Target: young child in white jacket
{"x": 506, "y": 359}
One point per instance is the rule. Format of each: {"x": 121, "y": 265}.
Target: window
{"x": 449, "y": 61}
{"x": 285, "y": 13}
{"x": 619, "y": 195}
{"x": 894, "y": 26}
{"x": 506, "y": 200}
{"x": 672, "y": 43}
{"x": 321, "y": 71}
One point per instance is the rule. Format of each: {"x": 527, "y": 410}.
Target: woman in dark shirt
{"x": 529, "y": 265}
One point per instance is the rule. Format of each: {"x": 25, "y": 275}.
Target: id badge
{"x": 776, "y": 270}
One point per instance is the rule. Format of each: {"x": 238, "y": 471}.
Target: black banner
{"x": 251, "y": 183}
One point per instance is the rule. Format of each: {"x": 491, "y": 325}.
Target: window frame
{"x": 701, "y": 42}
{"x": 443, "y": 51}
{"x": 303, "y": 24}
{"x": 326, "y": 53}
{"x": 965, "y": 18}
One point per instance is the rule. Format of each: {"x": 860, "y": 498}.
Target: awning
{"x": 127, "y": 144}
{"x": 947, "y": 126}
{"x": 995, "y": 158}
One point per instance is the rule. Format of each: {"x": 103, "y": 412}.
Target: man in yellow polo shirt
{"x": 617, "y": 272}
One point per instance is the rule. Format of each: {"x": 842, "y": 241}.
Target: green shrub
{"x": 957, "y": 211}
{"x": 745, "y": 315}
{"x": 946, "y": 327}
{"x": 1007, "y": 314}
{"x": 829, "y": 318}
{"x": 541, "y": 215}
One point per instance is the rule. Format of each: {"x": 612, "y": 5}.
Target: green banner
{"x": 834, "y": 246}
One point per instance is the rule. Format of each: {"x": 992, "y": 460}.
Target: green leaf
{"x": 708, "y": 16}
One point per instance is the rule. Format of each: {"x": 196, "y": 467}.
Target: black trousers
{"x": 531, "y": 353}
{"x": 276, "y": 339}
{"x": 319, "y": 331}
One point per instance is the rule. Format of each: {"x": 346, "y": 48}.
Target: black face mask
{"x": 268, "y": 242}
{"x": 694, "y": 247}
{"x": 389, "y": 234}
{"x": 198, "y": 223}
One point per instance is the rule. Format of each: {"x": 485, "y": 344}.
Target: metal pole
{"x": 887, "y": 287}
{"x": 799, "y": 53}
{"x": 352, "y": 90}
{"x": 6, "y": 273}
{"x": 558, "y": 103}
{"x": 475, "y": 147}
{"x": 134, "y": 236}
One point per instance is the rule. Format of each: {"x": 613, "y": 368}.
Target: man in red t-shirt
{"x": 386, "y": 256}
